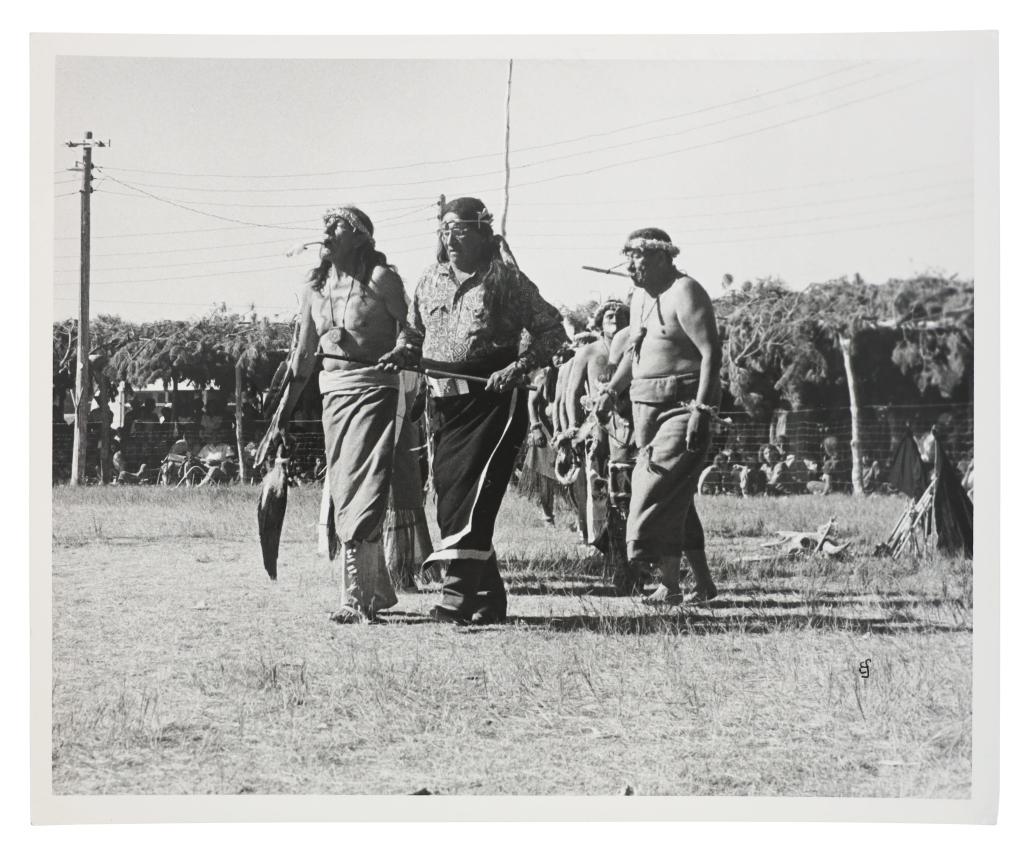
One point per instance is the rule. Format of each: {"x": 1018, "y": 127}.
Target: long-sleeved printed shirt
{"x": 481, "y": 321}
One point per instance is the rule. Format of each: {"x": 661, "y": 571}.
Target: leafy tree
{"x": 872, "y": 344}
{"x": 771, "y": 346}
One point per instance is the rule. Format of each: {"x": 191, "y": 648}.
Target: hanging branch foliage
{"x": 108, "y": 336}
{"x": 202, "y": 351}
{"x": 935, "y": 347}
{"x": 910, "y": 340}
{"x": 770, "y": 346}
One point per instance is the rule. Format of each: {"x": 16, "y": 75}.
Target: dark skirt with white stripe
{"x": 477, "y": 437}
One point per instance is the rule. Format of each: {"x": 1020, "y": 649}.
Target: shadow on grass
{"x": 850, "y": 596}
{"x": 758, "y": 598}
{"x": 702, "y": 625}
{"x": 749, "y": 617}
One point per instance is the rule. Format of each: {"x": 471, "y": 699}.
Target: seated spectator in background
{"x": 835, "y": 470}
{"x": 777, "y": 478}
{"x": 211, "y": 424}
{"x": 718, "y": 477}
{"x": 871, "y": 475}
{"x": 799, "y": 474}
{"x": 753, "y": 480}
{"x": 167, "y": 414}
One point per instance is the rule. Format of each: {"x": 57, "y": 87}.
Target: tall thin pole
{"x": 82, "y": 385}
{"x": 508, "y": 134}
{"x": 243, "y": 470}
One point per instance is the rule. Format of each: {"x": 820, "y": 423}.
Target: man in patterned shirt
{"x": 467, "y": 316}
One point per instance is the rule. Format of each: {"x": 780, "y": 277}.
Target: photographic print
{"x": 516, "y": 417}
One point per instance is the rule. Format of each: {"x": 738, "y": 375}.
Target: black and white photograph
{"x": 517, "y": 417}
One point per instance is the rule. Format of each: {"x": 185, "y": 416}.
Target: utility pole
{"x": 508, "y": 133}
{"x": 82, "y": 386}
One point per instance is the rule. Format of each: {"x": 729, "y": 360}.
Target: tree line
{"x": 228, "y": 350}
{"x": 909, "y": 342}
{"x": 840, "y": 343}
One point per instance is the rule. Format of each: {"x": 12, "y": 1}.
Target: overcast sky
{"x": 806, "y": 170}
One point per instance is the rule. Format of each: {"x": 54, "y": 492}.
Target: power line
{"x": 869, "y": 227}
{"x": 186, "y": 263}
{"x": 696, "y": 111}
{"x": 736, "y": 241}
{"x": 452, "y": 161}
{"x": 294, "y": 268}
{"x": 175, "y": 233}
{"x": 674, "y": 217}
{"x": 180, "y": 250}
{"x": 713, "y": 142}
{"x": 201, "y": 212}
{"x": 551, "y": 203}
{"x": 529, "y": 247}
{"x": 289, "y": 240}
{"x": 178, "y": 203}
{"x": 450, "y": 178}
{"x": 214, "y": 302}
{"x": 805, "y": 203}
{"x": 191, "y": 277}
{"x": 579, "y": 248}
{"x": 684, "y": 131}
{"x": 927, "y": 203}
{"x": 277, "y": 255}
{"x": 744, "y": 192}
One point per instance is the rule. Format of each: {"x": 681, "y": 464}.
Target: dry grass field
{"x": 179, "y": 668}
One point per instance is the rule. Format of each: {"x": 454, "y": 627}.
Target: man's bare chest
{"x": 347, "y": 304}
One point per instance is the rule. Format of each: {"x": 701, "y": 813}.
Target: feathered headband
{"x": 648, "y": 244}
{"x": 345, "y": 214}
{"x": 331, "y": 219}
{"x": 471, "y": 211}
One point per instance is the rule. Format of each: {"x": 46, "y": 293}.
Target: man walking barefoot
{"x": 672, "y": 373}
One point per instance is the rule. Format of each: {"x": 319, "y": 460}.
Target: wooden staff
{"x": 426, "y": 371}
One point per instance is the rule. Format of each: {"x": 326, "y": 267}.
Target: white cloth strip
{"x": 459, "y": 553}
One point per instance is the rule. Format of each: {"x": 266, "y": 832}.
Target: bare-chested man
{"x": 591, "y": 368}
{"x": 672, "y": 374}
{"x": 590, "y": 363}
{"x": 353, "y": 308}
{"x": 565, "y": 450}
